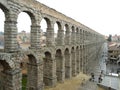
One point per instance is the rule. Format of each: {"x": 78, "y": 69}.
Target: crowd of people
{"x": 100, "y": 77}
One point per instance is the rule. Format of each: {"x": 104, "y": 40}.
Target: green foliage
{"x": 24, "y": 82}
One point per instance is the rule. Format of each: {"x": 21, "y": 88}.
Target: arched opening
{"x": 24, "y": 30}
{"x": 30, "y": 73}
{"x": 78, "y": 59}
{"x": 58, "y": 32}
{"x": 80, "y": 36}
{"x": 83, "y": 61}
{"x": 67, "y": 64}
{"x": 43, "y": 25}
{"x": 73, "y": 35}
{"x": 77, "y": 36}
{"x": 2, "y": 19}
{"x": 67, "y": 34}
{"x": 47, "y": 34}
{"x": 24, "y": 68}
{"x": 73, "y": 58}
{"x": 56, "y": 28}
{"x": 66, "y": 29}
{"x": 59, "y": 65}
{"x": 47, "y": 72}
{"x": 4, "y": 66}
{"x": 73, "y": 28}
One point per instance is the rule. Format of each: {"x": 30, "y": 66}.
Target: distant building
{"x": 23, "y": 37}
{"x": 115, "y": 38}
{"x": 113, "y": 52}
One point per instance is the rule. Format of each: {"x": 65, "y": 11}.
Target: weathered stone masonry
{"x": 71, "y": 53}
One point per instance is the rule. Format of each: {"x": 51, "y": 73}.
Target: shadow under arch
{"x": 73, "y": 58}
{"x": 47, "y": 69}
{"x": 59, "y": 65}
{"x": 67, "y": 34}
{"x": 4, "y": 68}
{"x": 67, "y": 64}
{"x": 30, "y": 75}
{"x": 5, "y": 65}
{"x": 77, "y": 60}
{"x": 48, "y": 22}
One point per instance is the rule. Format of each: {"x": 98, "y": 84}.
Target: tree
{"x": 110, "y": 38}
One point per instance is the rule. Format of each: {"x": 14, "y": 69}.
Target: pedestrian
{"x": 100, "y": 78}
{"x": 101, "y": 72}
{"x": 83, "y": 82}
{"x": 92, "y": 77}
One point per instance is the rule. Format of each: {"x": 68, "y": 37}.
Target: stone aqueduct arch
{"x": 74, "y": 49}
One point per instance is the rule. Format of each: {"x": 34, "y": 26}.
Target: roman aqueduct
{"x": 71, "y": 53}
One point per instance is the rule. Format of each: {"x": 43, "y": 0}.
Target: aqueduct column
{"x": 60, "y": 36}
{"x": 77, "y": 60}
{"x": 35, "y": 36}
{"x": 49, "y": 70}
{"x": 84, "y": 59}
{"x": 10, "y": 34}
{"x": 82, "y": 51}
{"x": 11, "y": 79}
{"x": 73, "y": 59}
{"x": 60, "y": 66}
{"x": 67, "y": 36}
{"x": 68, "y": 68}
{"x": 78, "y": 57}
{"x": 78, "y": 36}
{"x": 73, "y": 36}
{"x": 50, "y": 40}
{"x": 35, "y": 74}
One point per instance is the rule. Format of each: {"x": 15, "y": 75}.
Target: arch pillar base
{"x": 68, "y": 74}
{"x": 35, "y": 77}
{"x": 11, "y": 80}
{"x": 61, "y": 75}
{"x": 49, "y": 73}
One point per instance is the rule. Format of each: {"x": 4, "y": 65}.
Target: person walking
{"x": 92, "y": 77}
{"x": 100, "y": 79}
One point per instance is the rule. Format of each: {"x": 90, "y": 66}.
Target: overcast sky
{"x": 102, "y": 16}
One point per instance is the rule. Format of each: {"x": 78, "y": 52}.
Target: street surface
{"x": 108, "y": 79}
